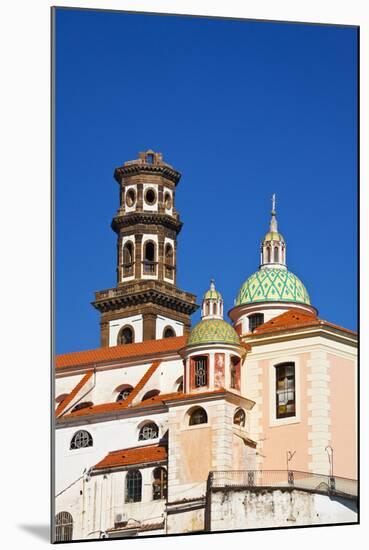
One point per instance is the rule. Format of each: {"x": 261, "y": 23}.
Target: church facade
{"x": 168, "y": 429}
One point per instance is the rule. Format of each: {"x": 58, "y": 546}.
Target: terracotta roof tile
{"x": 288, "y": 319}
{"x": 294, "y": 318}
{"x": 63, "y": 405}
{"x": 135, "y": 455}
{"x": 157, "y": 400}
{"x": 114, "y": 353}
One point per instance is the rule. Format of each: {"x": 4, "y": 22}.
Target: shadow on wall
{"x": 39, "y": 531}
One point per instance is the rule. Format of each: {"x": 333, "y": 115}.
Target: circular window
{"x": 130, "y": 197}
{"x": 150, "y": 196}
{"x": 167, "y": 201}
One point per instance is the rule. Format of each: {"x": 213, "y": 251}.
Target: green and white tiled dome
{"x": 272, "y": 285}
{"x": 213, "y": 330}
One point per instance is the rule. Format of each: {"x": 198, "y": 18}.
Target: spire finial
{"x": 273, "y": 221}
{"x": 212, "y": 284}
{"x": 273, "y": 205}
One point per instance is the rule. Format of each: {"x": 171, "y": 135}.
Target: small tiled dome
{"x": 272, "y": 285}
{"x": 274, "y": 236}
{"x": 211, "y": 331}
{"x": 212, "y": 295}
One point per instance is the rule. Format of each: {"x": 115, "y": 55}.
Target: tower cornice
{"x": 140, "y": 167}
{"x": 144, "y": 292}
{"x": 146, "y": 218}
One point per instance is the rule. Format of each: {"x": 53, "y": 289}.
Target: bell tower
{"x": 146, "y": 303}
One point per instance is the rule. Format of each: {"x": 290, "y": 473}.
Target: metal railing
{"x": 269, "y": 479}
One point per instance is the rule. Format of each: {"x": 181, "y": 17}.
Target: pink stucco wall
{"x": 343, "y": 416}
{"x": 290, "y": 437}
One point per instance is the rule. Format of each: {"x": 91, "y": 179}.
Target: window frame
{"x": 120, "y": 331}
{"x": 64, "y": 527}
{"x": 89, "y": 444}
{"x": 252, "y": 317}
{"x": 296, "y": 418}
{"x": 129, "y": 475}
{"x": 163, "y": 483}
{"x": 193, "y": 360}
{"x": 190, "y": 414}
{"x": 146, "y": 424}
{"x": 285, "y": 387}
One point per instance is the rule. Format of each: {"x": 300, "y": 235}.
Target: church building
{"x": 168, "y": 428}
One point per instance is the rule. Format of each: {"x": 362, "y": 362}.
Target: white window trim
{"x": 273, "y": 420}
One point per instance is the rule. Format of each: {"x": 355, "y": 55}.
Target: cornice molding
{"x": 145, "y": 218}
{"x": 156, "y": 169}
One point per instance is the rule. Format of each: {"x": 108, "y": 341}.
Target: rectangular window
{"x": 200, "y": 371}
{"x": 285, "y": 390}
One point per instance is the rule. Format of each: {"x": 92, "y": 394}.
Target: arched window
{"x": 255, "y": 321}
{"x": 159, "y": 485}
{"x": 276, "y": 254}
{"x": 126, "y": 335}
{"x": 214, "y": 308}
{"x": 198, "y": 416}
{"x": 81, "y": 439}
{"x": 285, "y": 390}
{"x": 133, "y": 486}
{"x": 268, "y": 255}
{"x": 148, "y": 431}
{"x": 149, "y": 258}
{"x": 63, "y": 527}
{"x": 168, "y": 332}
{"x": 123, "y": 392}
{"x": 150, "y": 158}
{"x": 128, "y": 262}
{"x": 150, "y": 394}
{"x": 169, "y": 263}
{"x": 239, "y": 418}
{"x": 83, "y": 405}
{"x": 207, "y": 308}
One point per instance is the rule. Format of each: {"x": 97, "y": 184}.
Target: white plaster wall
{"x": 164, "y": 379}
{"x": 66, "y": 384}
{"x": 107, "y": 436}
{"x": 136, "y": 321}
{"x": 162, "y": 322}
{"x": 275, "y": 508}
{"x": 146, "y": 206}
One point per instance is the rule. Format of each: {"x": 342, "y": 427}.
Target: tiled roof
{"x": 135, "y": 455}
{"x": 63, "y": 405}
{"x": 156, "y": 400}
{"x": 114, "y": 353}
{"x": 294, "y": 318}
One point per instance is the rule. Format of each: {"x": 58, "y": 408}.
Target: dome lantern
{"x": 212, "y": 303}
{"x": 273, "y": 247}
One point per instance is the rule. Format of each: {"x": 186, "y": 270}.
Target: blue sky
{"x": 242, "y": 109}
